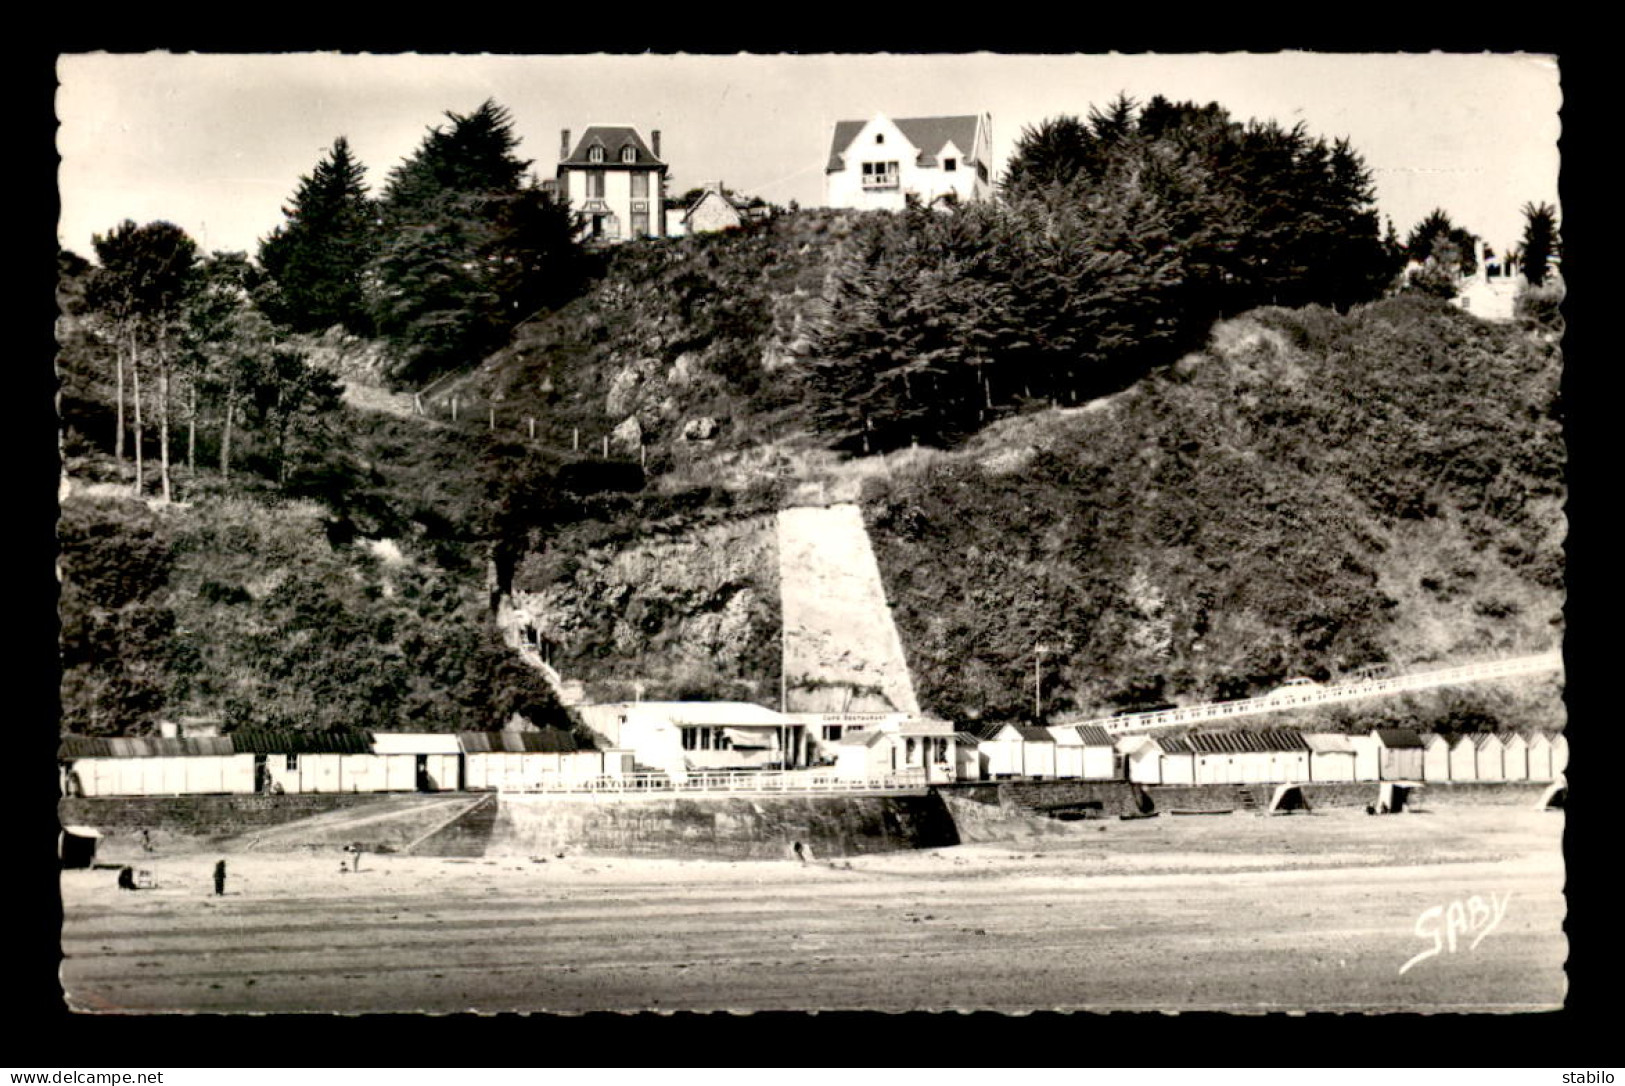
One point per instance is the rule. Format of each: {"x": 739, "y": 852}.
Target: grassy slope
{"x": 1311, "y": 494}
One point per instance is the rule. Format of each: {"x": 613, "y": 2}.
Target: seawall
{"x": 738, "y": 828}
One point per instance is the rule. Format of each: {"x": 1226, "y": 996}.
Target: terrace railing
{"x": 753, "y": 783}
{"x": 1298, "y": 697}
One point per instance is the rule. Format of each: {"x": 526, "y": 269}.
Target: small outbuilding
{"x": 1331, "y": 756}
{"x": 1435, "y": 757}
{"x": 1515, "y": 757}
{"x": 1367, "y": 756}
{"x": 864, "y": 755}
{"x": 1037, "y": 751}
{"x": 970, "y": 764}
{"x": 1464, "y": 759}
{"x": 1002, "y": 747}
{"x": 1399, "y": 754}
{"x": 1159, "y": 759}
{"x": 1540, "y": 757}
{"x": 1488, "y": 757}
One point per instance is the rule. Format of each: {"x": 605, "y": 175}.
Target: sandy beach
{"x": 1235, "y": 912}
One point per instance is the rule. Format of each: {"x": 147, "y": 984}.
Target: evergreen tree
{"x": 1458, "y": 251}
{"x": 1540, "y": 241}
{"x": 317, "y": 260}
{"x": 469, "y": 246}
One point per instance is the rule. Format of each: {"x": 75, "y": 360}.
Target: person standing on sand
{"x": 220, "y": 879}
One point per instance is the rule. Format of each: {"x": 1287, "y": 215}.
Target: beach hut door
{"x": 423, "y": 773}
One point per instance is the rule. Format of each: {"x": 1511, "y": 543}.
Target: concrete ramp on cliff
{"x": 842, "y": 653}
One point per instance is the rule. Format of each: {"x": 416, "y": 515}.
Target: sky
{"x": 217, "y": 143}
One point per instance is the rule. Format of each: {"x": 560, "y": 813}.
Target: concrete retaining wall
{"x": 723, "y": 827}
{"x": 1042, "y": 797}
{"x": 198, "y": 816}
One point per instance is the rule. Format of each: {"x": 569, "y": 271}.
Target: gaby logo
{"x": 1446, "y": 926}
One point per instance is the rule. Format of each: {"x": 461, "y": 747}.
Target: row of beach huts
{"x": 1280, "y": 755}
{"x": 276, "y": 762}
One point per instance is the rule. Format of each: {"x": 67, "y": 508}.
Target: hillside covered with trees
{"x": 1166, "y": 408}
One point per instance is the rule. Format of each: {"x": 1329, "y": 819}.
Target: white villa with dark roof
{"x": 615, "y": 182}
{"x": 877, "y": 164}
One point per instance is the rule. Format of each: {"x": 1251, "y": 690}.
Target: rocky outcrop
{"x": 695, "y": 614}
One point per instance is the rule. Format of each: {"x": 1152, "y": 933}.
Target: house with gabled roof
{"x": 615, "y": 182}
{"x": 716, "y": 208}
{"x": 880, "y": 163}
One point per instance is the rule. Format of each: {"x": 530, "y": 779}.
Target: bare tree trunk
{"x": 135, "y": 376}
{"x": 121, "y": 346}
{"x": 225, "y": 434}
{"x": 163, "y": 423}
{"x": 191, "y": 427}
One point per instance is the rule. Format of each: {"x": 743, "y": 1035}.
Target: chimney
{"x": 564, "y": 144}
{"x": 654, "y": 141}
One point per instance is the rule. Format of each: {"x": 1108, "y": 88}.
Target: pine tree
{"x": 469, "y": 246}
{"x": 317, "y": 260}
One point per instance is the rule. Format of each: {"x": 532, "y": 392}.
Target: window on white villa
{"x": 629, "y": 154}
{"x": 595, "y": 184}
{"x": 880, "y": 137}
{"x": 640, "y": 186}
{"x": 596, "y": 154}
{"x": 640, "y": 224}
{"x": 949, "y": 165}
{"x": 880, "y": 175}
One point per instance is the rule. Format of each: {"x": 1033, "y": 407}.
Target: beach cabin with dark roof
{"x": 1399, "y": 754}
{"x": 1001, "y": 746}
{"x": 615, "y": 182}
{"x": 1037, "y": 750}
{"x": 153, "y": 766}
{"x": 1159, "y": 759}
{"x": 526, "y": 760}
{"x": 1249, "y": 757}
{"x": 881, "y": 163}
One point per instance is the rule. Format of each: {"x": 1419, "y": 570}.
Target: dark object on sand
{"x": 126, "y": 878}
{"x": 220, "y": 879}
{"x": 1223, "y": 811}
{"x": 77, "y": 846}
{"x": 1133, "y": 815}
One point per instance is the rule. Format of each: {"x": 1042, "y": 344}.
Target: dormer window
{"x": 880, "y": 137}
{"x": 949, "y": 165}
{"x": 629, "y": 154}
{"x": 596, "y": 154}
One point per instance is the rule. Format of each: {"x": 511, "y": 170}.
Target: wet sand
{"x": 1236, "y": 912}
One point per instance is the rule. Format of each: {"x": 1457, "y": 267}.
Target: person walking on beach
{"x": 220, "y": 879}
